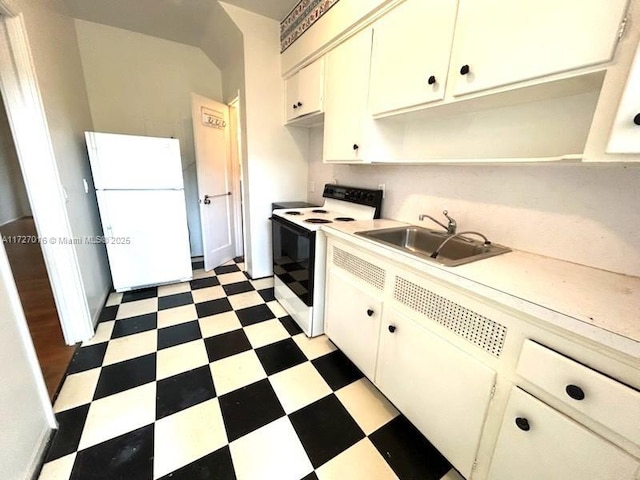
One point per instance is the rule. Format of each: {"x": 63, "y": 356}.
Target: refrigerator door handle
{"x": 207, "y": 198}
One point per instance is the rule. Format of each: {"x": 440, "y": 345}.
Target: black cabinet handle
{"x": 431, "y": 80}
{"x": 356, "y": 146}
{"x": 464, "y": 70}
{"x": 295, "y": 106}
{"x": 523, "y": 424}
{"x": 636, "y": 119}
{"x": 575, "y": 392}
{"x": 392, "y": 328}
{"x": 299, "y": 104}
{"x": 369, "y": 313}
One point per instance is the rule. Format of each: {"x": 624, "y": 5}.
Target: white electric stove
{"x": 299, "y": 250}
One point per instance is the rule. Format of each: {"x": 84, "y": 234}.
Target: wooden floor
{"x": 34, "y": 288}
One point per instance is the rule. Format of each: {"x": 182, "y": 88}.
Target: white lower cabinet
{"x": 536, "y": 442}
{"x": 443, "y": 391}
{"x": 352, "y": 322}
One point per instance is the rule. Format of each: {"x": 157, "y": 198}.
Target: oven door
{"x": 293, "y": 257}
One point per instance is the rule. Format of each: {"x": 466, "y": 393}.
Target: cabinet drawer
{"x": 603, "y": 399}
{"x": 538, "y": 443}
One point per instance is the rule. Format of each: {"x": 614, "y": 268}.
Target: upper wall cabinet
{"x": 501, "y": 42}
{"x": 410, "y": 56}
{"x": 625, "y": 135}
{"x": 346, "y": 100}
{"x": 304, "y": 95}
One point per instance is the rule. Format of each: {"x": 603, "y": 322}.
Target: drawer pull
{"x": 392, "y": 328}
{"x": 575, "y": 392}
{"x": 369, "y": 313}
{"x": 523, "y": 424}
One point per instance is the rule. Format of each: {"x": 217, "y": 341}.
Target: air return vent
{"x": 471, "y": 326}
{"x": 362, "y": 269}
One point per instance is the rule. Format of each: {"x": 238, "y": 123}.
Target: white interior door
{"x": 213, "y": 165}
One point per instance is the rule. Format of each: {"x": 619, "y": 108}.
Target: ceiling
{"x": 276, "y": 9}
{"x": 200, "y": 23}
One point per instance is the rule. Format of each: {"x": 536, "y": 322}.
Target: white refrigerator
{"x": 138, "y": 182}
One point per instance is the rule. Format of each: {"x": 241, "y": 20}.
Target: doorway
{"x": 20, "y": 239}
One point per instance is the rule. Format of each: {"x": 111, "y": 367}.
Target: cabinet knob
{"x": 523, "y": 424}
{"x": 464, "y": 70}
{"x": 575, "y": 392}
{"x": 356, "y": 146}
{"x": 431, "y": 80}
{"x": 636, "y": 119}
{"x": 392, "y": 328}
{"x": 295, "y": 106}
{"x": 299, "y": 104}
{"x": 369, "y": 313}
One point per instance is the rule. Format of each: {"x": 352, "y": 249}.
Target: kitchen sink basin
{"x": 422, "y": 242}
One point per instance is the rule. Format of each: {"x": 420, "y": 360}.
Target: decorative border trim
{"x": 300, "y": 18}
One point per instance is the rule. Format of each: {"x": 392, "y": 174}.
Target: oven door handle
{"x": 298, "y": 230}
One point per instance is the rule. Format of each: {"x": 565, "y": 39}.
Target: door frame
{"x": 236, "y": 169}
{"x": 30, "y": 131}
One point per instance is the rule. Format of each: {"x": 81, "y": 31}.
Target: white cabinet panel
{"x": 505, "y": 41}
{"x": 596, "y": 395}
{"x": 346, "y": 99}
{"x": 545, "y": 444}
{"x": 352, "y": 322}
{"x": 443, "y": 391}
{"x": 410, "y": 56}
{"x": 304, "y": 92}
{"x": 625, "y": 134}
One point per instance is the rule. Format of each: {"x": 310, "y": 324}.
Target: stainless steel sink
{"x": 422, "y": 242}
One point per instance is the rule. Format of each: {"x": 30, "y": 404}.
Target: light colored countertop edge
{"x": 601, "y": 306}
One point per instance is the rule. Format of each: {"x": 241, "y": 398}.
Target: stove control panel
{"x": 362, "y": 196}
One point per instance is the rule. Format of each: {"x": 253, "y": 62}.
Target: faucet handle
{"x": 452, "y": 223}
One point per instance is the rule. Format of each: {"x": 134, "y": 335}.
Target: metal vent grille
{"x": 362, "y": 269}
{"x": 471, "y": 326}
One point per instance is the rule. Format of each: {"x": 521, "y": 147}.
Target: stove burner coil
{"x": 319, "y": 211}
{"x": 344, "y": 219}
{"x": 293, "y": 212}
{"x": 317, "y": 220}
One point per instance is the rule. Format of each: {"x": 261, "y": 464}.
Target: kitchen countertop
{"x": 599, "y": 305}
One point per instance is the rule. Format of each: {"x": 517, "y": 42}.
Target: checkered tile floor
{"x": 210, "y": 379}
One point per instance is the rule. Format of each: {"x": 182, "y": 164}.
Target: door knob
{"x": 575, "y": 392}
{"x": 356, "y": 146}
{"x": 432, "y": 80}
{"x": 299, "y": 104}
{"x": 464, "y": 70}
{"x": 636, "y": 119}
{"x": 523, "y": 424}
{"x": 392, "y": 328}
{"x": 369, "y": 312}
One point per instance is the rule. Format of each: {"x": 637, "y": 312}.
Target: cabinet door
{"x": 352, "y": 322}
{"x": 291, "y": 97}
{"x": 443, "y": 391}
{"x": 311, "y": 88}
{"x": 506, "y": 41}
{"x": 346, "y": 98}
{"x": 625, "y": 134}
{"x": 410, "y": 56}
{"x": 545, "y": 444}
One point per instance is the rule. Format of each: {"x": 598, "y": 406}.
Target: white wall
{"x": 13, "y": 196}
{"x": 274, "y": 163}
{"x": 54, "y": 48}
{"x": 585, "y": 214}
{"x": 26, "y": 418}
{"x": 141, "y": 85}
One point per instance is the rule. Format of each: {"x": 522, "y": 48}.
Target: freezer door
{"x": 146, "y": 235}
{"x": 132, "y": 162}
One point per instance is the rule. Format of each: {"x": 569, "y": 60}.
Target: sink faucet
{"x": 486, "y": 243}
{"x": 450, "y": 228}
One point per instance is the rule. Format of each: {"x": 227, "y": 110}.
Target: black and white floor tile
{"x": 210, "y": 379}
